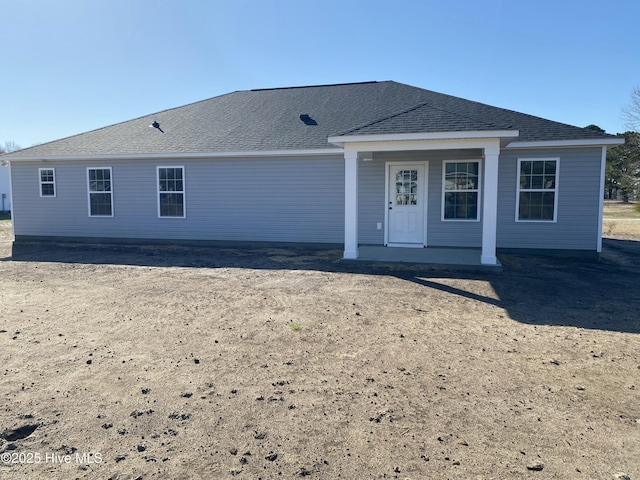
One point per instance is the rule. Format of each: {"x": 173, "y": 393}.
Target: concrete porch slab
{"x": 455, "y": 258}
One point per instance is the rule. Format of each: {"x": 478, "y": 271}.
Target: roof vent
{"x": 307, "y": 119}
{"x": 156, "y": 125}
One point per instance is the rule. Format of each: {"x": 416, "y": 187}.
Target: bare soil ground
{"x": 146, "y": 363}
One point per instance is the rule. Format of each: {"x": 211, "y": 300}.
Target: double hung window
{"x": 47, "y": 182}
{"x": 100, "y": 192}
{"x": 537, "y": 190}
{"x": 171, "y": 192}
{"x": 461, "y": 190}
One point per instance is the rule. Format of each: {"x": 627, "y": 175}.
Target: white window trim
{"x": 556, "y": 190}
{"x": 479, "y": 190}
{"x": 89, "y": 192}
{"x": 41, "y": 183}
{"x": 183, "y": 191}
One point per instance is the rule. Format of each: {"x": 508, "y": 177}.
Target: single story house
{"x": 375, "y": 163}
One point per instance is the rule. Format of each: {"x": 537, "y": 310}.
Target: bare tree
{"x": 9, "y": 146}
{"x": 631, "y": 113}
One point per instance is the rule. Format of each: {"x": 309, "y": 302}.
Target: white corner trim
{"x": 566, "y": 143}
{"x": 13, "y": 217}
{"x": 603, "y": 166}
{"x": 402, "y": 137}
{"x": 178, "y": 155}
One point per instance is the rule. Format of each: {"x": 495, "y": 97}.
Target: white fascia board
{"x": 434, "y": 144}
{"x": 403, "y": 137}
{"x": 155, "y": 156}
{"x": 594, "y": 142}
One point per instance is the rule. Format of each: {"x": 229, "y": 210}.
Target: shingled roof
{"x": 270, "y": 120}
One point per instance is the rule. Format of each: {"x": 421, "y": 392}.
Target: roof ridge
{"x": 416, "y": 107}
{"x": 314, "y": 86}
{"x": 386, "y": 117}
{"x": 472, "y": 117}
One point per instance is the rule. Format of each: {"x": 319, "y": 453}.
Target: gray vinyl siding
{"x": 578, "y": 196}
{"x": 299, "y": 200}
{"x": 372, "y": 202}
{"x": 579, "y": 193}
{"x": 449, "y": 233}
{"x": 276, "y": 199}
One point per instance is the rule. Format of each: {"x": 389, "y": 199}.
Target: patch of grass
{"x": 621, "y": 228}
{"x": 295, "y": 327}
{"x": 608, "y": 227}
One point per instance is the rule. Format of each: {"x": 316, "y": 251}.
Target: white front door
{"x": 406, "y": 204}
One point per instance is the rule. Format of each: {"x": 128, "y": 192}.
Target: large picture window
{"x": 171, "y": 192}
{"x": 461, "y": 187}
{"x": 100, "y": 192}
{"x": 537, "y": 190}
{"x": 47, "y": 182}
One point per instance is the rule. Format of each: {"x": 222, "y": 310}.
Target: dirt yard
{"x": 142, "y": 363}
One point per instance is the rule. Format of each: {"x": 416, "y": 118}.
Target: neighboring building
{"x": 377, "y": 163}
{"x": 5, "y": 188}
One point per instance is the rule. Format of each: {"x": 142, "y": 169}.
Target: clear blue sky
{"x": 69, "y": 66}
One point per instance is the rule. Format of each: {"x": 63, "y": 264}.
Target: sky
{"x": 70, "y": 66}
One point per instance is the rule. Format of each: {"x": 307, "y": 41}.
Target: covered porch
{"x": 424, "y": 179}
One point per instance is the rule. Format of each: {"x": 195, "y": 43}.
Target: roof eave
{"x": 585, "y": 142}
{"x": 204, "y": 155}
{"x": 341, "y": 140}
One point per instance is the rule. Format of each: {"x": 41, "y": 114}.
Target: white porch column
{"x": 350, "y": 204}
{"x": 490, "y": 204}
